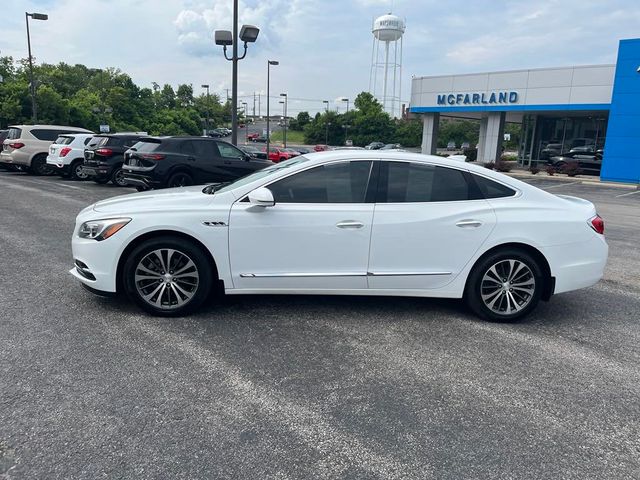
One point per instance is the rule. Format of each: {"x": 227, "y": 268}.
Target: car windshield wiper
{"x": 214, "y": 187}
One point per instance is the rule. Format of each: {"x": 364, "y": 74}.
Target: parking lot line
{"x": 561, "y": 185}
{"x": 628, "y": 193}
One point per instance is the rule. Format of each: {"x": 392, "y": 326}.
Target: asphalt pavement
{"x": 269, "y": 387}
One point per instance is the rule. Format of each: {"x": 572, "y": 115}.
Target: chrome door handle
{"x": 469, "y": 223}
{"x": 349, "y": 224}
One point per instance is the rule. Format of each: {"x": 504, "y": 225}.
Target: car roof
{"x": 61, "y": 127}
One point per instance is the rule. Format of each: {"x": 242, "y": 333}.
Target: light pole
{"x": 246, "y": 123}
{"x": 345, "y": 99}
{"x": 285, "y": 118}
{"x": 326, "y": 102}
{"x": 34, "y": 108}
{"x": 248, "y": 34}
{"x": 269, "y": 63}
{"x": 326, "y": 133}
{"x": 206, "y": 122}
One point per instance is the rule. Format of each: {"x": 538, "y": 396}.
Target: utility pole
{"x": 34, "y": 107}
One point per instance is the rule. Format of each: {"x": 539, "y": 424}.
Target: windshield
{"x": 264, "y": 173}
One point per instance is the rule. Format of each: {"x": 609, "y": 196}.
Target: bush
{"x": 534, "y": 170}
{"x": 551, "y": 170}
{"x": 471, "y": 154}
{"x": 503, "y": 166}
{"x": 509, "y": 158}
{"x": 571, "y": 169}
{"x": 489, "y": 165}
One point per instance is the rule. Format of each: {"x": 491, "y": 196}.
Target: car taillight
{"x": 16, "y": 145}
{"x": 153, "y": 156}
{"x": 105, "y": 152}
{"x": 64, "y": 151}
{"x": 597, "y": 223}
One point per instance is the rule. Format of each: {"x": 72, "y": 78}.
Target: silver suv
{"x": 27, "y": 146}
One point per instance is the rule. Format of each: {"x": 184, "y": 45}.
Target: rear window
{"x": 63, "y": 140}
{"x": 14, "y": 133}
{"x": 146, "y": 147}
{"x": 105, "y": 142}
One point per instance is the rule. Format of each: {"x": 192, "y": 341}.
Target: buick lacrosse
{"x": 348, "y": 223}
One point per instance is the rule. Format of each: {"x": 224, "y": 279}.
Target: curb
{"x": 574, "y": 180}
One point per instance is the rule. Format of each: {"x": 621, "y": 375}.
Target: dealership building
{"x": 590, "y": 107}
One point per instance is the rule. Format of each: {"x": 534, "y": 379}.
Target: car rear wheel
{"x": 117, "y": 177}
{"x": 505, "y": 285}
{"x": 168, "y": 276}
{"x": 39, "y": 166}
{"x": 77, "y": 170}
{"x": 180, "y": 179}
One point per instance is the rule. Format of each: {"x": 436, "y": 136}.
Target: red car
{"x": 253, "y": 136}
{"x": 281, "y": 154}
{"x": 321, "y": 148}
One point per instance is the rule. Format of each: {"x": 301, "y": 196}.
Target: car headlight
{"x": 102, "y": 229}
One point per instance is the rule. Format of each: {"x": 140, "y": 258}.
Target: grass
{"x": 293, "y": 137}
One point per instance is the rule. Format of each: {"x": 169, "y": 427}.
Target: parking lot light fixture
{"x": 326, "y": 102}
{"x": 224, "y": 38}
{"x": 269, "y": 63}
{"x": 32, "y": 85}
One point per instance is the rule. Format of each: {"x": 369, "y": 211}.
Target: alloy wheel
{"x": 78, "y": 172}
{"x": 118, "y": 178}
{"x": 180, "y": 180}
{"x": 166, "y": 278}
{"x": 508, "y": 286}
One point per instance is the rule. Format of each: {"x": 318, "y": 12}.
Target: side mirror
{"x": 262, "y": 197}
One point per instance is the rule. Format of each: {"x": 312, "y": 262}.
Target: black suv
{"x": 104, "y": 156}
{"x": 181, "y": 161}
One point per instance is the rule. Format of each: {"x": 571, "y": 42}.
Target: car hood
{"x": 154, "y": 200}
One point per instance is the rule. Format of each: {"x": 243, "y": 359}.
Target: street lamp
{"x": 269, "y": 63}
{"x": 34, "y": 108}
{"x": 248, "y": 34}
{"x": 326, "y": 133}
{"x": 206, "y": 122}
{"x": 285, "y": 118}
{"x": 326, "y": 102}
{"x": 345, "y": 99}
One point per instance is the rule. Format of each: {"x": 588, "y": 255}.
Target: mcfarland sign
{"x": 486, "y": 98}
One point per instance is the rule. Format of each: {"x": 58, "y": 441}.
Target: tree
{"x": 184, "y": 95}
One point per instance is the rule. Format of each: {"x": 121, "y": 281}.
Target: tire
{"x": 117, "y": 177}
{"x": 493, "y": 295}
{"x": 282, "y": 159}
{"x": 140, "y": 188}
{"x": 161, "y": 294}
{"x": 75, "y": 170}
{"x": 39, "y": 166}
{"x": 180, "y": 179}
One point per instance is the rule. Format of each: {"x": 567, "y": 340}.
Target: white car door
{"x": 316, "y": 236}
{"x": 426, "y": 226}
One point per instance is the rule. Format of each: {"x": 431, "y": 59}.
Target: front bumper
{"x": 96, "y": 263}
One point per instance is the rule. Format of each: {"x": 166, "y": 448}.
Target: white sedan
{"x": 348, "y": 223}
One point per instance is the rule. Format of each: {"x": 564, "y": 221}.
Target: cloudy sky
{"x": 324, "y": 46}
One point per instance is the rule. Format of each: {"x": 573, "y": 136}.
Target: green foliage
{"x": 88, "y": 97}
{"x": 459, "y": 131}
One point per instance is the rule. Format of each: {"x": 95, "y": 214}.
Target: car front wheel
{"x": 168, "y": 276}
{"x": 505, "y": 286}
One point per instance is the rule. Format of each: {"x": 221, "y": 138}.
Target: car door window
{"x": 204, "y": 150}
{"x": 229, "y": 151}
{"x": 187, "y": 148}
{"x": 418, "y": 182}
{"x": 344, "y": 182}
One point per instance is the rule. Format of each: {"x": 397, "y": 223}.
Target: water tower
{"x": 387, "y": 29}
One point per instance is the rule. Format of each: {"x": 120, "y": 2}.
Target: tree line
{"x": 86, "y": 97}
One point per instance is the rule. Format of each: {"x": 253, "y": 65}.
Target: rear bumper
{"x": 16, "y": 157}
{"x": 97, "y": 171}
{"x": 579, "y": 265}
{"x": 138, "y": 180}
